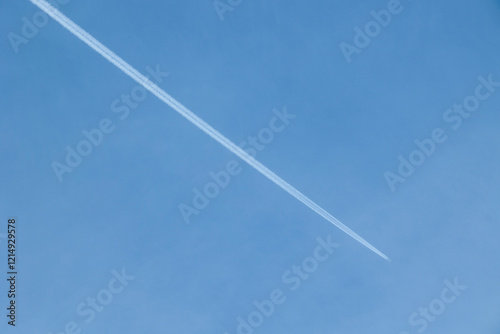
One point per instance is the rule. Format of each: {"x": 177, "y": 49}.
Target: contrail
{"x": 205, "y": 127}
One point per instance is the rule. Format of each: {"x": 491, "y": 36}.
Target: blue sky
{"x": 120, "y": 207}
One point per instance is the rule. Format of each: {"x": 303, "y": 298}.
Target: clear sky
{"x": 105, "y": 248}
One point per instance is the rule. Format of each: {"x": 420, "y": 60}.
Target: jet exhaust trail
{"x": 201, "y": 124}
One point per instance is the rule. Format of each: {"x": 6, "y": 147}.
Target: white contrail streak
{"x": 162, "y": 95}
